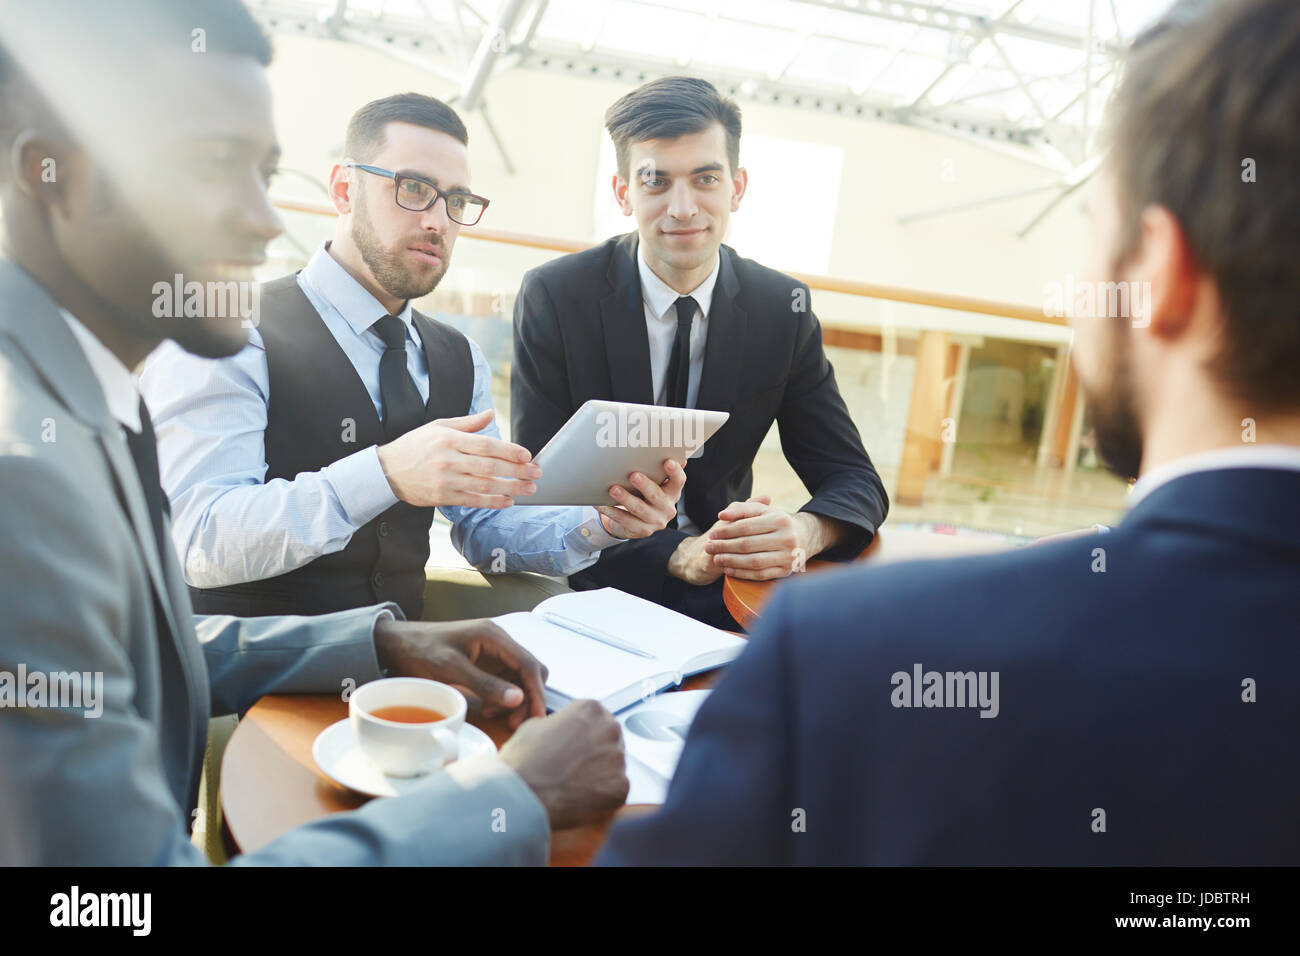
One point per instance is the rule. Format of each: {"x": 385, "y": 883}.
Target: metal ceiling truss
{"x": 461, "y": 46}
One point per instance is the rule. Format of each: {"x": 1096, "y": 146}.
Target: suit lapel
{"x": 622, "y": 317}
{"x": 725, "y": 349}
{"x": 128, "y": 484}
{"x": 33, "y": 324}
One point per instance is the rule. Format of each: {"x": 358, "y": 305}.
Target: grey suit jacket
{"x": 80, "y": 584}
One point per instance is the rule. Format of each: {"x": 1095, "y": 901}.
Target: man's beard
{"x": 123, "y": 296}
{"x": 210, "y": 338}
{"x": 387, "y": 267}
{"x": 1114, "y": 414}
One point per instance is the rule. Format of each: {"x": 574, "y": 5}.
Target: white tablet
{"x": 604, "y": 442}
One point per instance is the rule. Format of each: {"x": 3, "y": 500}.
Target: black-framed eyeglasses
{"x": 417, "y": 195}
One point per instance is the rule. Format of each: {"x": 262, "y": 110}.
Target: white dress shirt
{"x": 115, "y": 379}
{"x": 229, "y": 526}
{"x": 660, "y": 301}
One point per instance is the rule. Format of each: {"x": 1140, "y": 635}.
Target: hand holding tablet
{"x": 605, "y": 442}
{"x": 646, "y": 509}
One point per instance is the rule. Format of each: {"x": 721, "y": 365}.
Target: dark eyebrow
{"x": 709, "y": 168}
{"x": 431, "y": 181}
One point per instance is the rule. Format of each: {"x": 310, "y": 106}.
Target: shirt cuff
{"x": 384, "y": 612}
{"x": 361, "y": 486}
{"x": 591, "y": 536}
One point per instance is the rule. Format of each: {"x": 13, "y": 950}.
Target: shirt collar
{"x": 359, "y": 309}
{"x": 661, "y": 297}
{"x": 1248, "y": 456}
{"x": 115, "y": 379}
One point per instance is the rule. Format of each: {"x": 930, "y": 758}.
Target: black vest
{"x": 319, "y": 411}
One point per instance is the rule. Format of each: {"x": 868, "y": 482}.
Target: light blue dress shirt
{"x": 229, "y": 526}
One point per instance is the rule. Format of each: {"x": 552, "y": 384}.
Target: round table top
{"x": 745, "y": 599}
{"x": 270, "y": 784}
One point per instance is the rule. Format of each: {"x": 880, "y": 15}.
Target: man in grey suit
{"x": 107, "y": 681}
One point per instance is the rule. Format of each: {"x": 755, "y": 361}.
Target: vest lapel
{"x": 288, "y": 314}
{"x": 447, "y": 356}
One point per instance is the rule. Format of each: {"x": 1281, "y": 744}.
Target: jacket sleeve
{"x": 823, "y": 446}
{"x": 638, "y": 567}
{"x": 731, "y": 801}
{"x": 87, "y": 786}
{"x": 250, "y": 657}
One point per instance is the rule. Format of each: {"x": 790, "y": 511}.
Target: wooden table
{"x": 270, "y": 783}
{"x": 745, "y": 599}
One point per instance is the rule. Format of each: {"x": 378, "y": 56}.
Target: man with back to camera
{"x": 304, "y": 471}
{"x": 176, "y": 183}
{"x": 1117, "y": 700}
{"x": 668, "y": 315}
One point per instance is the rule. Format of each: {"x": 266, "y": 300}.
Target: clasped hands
{"x": 753, "y": 541}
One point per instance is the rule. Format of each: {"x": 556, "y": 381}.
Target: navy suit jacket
{"x": 1120, "y": 693}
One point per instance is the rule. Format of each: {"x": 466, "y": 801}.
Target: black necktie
{"x": 144, "y": 452}
{"x": 679, "y": 366}
{"x": 403, "y": 409}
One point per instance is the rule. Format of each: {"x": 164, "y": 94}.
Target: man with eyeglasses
{"x": 303, "y": 472}
{"x": 670, "y": 315}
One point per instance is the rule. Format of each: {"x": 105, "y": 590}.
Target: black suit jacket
{"x": 580, "y": 334}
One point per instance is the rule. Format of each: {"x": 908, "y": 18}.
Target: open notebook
{"x": 581, "y": 666}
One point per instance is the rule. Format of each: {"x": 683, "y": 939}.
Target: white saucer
{"x": 339, "y": 757}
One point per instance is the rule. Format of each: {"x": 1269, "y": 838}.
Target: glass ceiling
{"x": 1033, "y": 72}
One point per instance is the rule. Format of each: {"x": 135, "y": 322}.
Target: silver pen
{"x": 579, "y": 628}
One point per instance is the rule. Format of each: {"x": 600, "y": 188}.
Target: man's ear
{"x": 739, "y": 183}
{"x": 44, "y": 168}
{"x": 1164, "y": 278}
{"x": 340, "y": 188}
{"x": 620, "y": 194}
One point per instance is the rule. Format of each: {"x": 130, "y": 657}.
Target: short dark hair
{"x": 1202, "y": 102}
{"x": 366, "y": 129}
{"x": 124, "y": 30}
{"x": 670, "y": 107}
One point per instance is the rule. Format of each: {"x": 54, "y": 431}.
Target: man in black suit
{"x": 669, "y": 315}
{"x": 1122, "y": 699}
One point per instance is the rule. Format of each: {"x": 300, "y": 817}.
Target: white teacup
{"x": 400, "y": 748}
